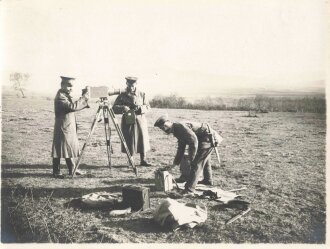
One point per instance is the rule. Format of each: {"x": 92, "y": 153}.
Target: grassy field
{"x": 278, "y": 157}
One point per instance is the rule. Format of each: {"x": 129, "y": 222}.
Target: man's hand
{"x": 167, "y": 168}
{"x": 137, "y": 109}
{"x": 126, "y": 108}
{"x": 86, "y": 93}
{"x": 170, "y": 167}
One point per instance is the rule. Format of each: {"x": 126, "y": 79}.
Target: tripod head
{"x": 104, "y": 93}
{"x": 103, "y": 101}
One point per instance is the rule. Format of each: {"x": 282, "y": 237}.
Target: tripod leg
{"x": 218, "y": 156}
{"x": 98, "y": 113}
{"x": 107, "y": 134}
{"x": 121, "y": 136}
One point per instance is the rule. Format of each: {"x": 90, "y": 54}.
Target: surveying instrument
{"x": 107, "y": 111}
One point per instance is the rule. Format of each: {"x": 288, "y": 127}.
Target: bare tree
{"x": 18, "y": 80}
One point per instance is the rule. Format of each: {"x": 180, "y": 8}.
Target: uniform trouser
{"x": 200, "y": 164}
{"x": 56, "y": 165}
{"x": 142, "y": 156}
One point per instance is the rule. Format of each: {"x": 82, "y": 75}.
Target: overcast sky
{"x": 171, "y": 46}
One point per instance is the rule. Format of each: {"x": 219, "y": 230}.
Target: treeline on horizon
{"x": 259, "y": 103}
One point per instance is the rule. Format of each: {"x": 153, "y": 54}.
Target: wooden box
{"x": 136, "y": 197}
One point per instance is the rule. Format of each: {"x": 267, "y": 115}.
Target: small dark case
{"x": 129, "y": 117}
{"x": 136, "y": 197}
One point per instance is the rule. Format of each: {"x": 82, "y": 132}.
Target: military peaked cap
{"x": 131, "y": 79}
{"x": 67, "y": 80}
{"x": 161, "y": 120}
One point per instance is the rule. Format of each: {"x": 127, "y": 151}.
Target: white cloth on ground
{"x": 180, "y": 213}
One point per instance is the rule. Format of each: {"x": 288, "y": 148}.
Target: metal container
{"x": 163, "y": 180}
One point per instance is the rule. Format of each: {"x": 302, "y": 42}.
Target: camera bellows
{"x": 98, "y": 91}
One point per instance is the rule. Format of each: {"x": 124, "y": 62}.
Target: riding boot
{"x": 143, "y": 161}
{"x": 56, "y": 168}
{"x": 207, "y": 173}
{"x": 69, "y": 164}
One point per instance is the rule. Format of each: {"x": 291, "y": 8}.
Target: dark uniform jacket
{"x": 136, "y": 135}
{"x": 65, "y": 141}
{"x": 195, "y": 135}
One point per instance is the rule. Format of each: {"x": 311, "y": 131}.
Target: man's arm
{"x": 187, "y": 137}
{"x": 145, "y": 107}
{"x": 119, "y": 106}
{"x": 65, "y": 105}
{"x": 179, "y": 152}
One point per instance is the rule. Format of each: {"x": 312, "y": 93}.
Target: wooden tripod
{"x": 107, "y": 112}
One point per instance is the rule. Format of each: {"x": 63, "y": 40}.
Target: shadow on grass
{"x": 58, "y": 192}
{"x": 70, "y": 192}
{"x": 130, "y": 181}
{"x": 138, "y": 225}
{"x": 49, "y": 175}
{"x": 49, "y": 166}
{"x": 27, "y": 170}
{"x": 235, "y": 204}
{"x": 21, "y": 175}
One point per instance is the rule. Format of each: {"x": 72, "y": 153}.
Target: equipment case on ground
{"x": 136, "y": 197}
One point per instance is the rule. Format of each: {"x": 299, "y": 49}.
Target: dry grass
{"x": 279, "y": 157}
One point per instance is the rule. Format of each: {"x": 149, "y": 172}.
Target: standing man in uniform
{"x": 65, "y": 141}
{"x": 133, "y": 104}
{"x": 198, "y": 137}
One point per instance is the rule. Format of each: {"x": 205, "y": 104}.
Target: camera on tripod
{"x": 100, "y": 91}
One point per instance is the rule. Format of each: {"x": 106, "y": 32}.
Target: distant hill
{"x": 252, "y": 92}
{"x": 225, "y": 94}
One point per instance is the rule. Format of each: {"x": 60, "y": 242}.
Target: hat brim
{"x": 131, "y": 79}
{"x": 67, "y": 78}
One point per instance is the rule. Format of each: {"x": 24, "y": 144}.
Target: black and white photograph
{"x": 164, "y": 123}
